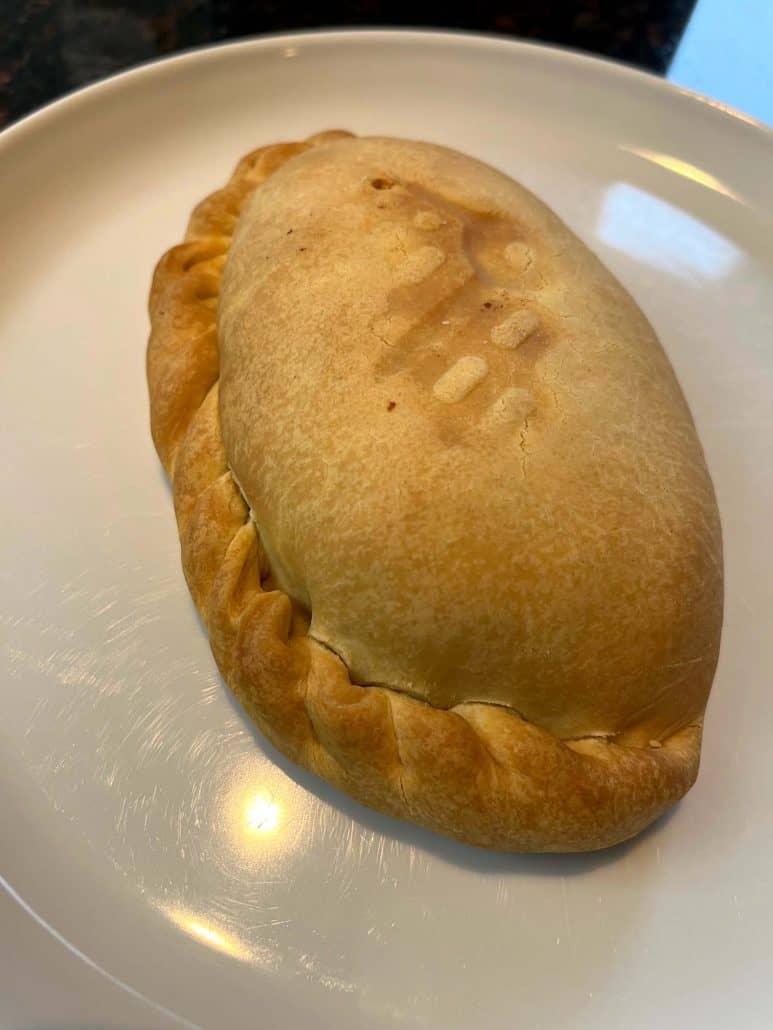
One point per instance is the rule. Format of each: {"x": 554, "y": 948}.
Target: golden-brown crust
{"x": 477, "y": 772}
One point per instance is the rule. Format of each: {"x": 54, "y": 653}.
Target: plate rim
{"x": 333, "y": 36}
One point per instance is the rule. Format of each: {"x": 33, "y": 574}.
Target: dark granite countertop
{"x": 50, "y": 47}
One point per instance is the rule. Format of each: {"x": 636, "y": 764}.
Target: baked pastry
{"x": 441, "y": 502}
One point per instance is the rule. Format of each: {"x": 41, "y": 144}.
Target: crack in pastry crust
{"x": 478, "y": 772}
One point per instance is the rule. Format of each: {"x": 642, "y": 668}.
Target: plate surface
{"x": 143, "y": 820}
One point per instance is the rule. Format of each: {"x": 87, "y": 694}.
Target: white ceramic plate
{"x": 142, "y": 819}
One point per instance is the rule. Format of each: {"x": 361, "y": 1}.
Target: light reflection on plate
{"x": 261, "y": 815}
{"x": 657, "y": 233}
{"x": 258, "y": 816}
{"x": 686, "y": 170}
{"x": 199, "y": 927}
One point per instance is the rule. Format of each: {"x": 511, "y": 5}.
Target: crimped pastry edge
{"x": 476, "y": 772}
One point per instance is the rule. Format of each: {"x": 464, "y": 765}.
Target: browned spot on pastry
{"x": 444, "y": 302}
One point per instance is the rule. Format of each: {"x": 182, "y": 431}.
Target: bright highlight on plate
{"x": 205, "y": 932}
{"x": 261, "y": 814}
{"x": 686, "y": 170}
